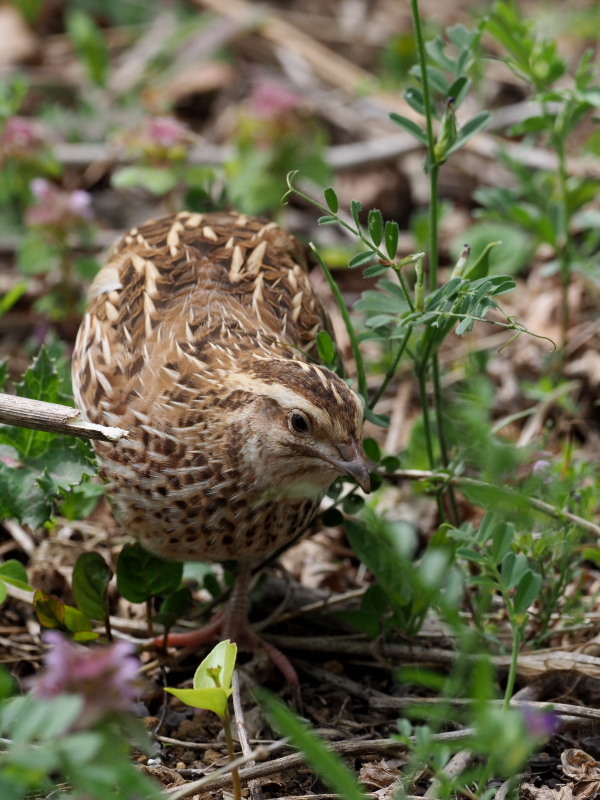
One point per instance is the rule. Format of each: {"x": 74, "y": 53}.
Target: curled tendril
{"x": 513, "y": 324}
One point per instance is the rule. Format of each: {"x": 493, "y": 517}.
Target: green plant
{"x": 40, "y": 471}
{"x": 554, "y": 207}
{"x": 75, "y": 726}
{"x": 212, "y": 688}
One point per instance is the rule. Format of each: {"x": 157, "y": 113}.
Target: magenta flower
{"x": 271, "y": 99}
{"x": 19, "y": 135}
{"x": 104, "y": 676}
{"x": 166, "y": 131}
{"x": 57, "y": 208}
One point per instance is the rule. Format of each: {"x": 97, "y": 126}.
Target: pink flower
{"x": 57, "y": 208}
{"x": 270, "y": 99}
{"x": 166, "y": 131}
{"x": 19, "y": 134}
{"x": 104, "y": 676}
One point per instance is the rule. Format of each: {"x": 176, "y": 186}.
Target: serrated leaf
{"x": 331, "y": 200}
{"x": 409, "y": 126}
{"x": 91, "y": 576}
{"x": 141, "y": 575}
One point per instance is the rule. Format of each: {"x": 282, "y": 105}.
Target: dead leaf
{"x": 579, "y": 765}
{"x": 531, "y": 792}
{"x": 378, "y": 775}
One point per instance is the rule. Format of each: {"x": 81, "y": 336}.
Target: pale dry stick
{"x": 458, "y": 763}
{"x": 53, "y": 418}
{"x": 581, "y": 712}
{"x": 351, "y": 749}
{"x": 240, "y": 723}
{"x": 538, "y": 505}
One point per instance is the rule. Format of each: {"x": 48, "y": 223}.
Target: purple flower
{"x": 539, "y": 724}
{"x": 104, "y": 676}
{"x": 541, "y": 465}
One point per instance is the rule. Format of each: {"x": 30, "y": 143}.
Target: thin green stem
{"x": 361, "y": 376}
{"x": 516, "y": 644}
{"x": 564, "y": 258}
{"x": 444, "y": 455}
{"x": 434, "y": 174}
{"x": 235, "y": 775}
{"x": 391, "y": 371}
{"x": 427, "y": 431}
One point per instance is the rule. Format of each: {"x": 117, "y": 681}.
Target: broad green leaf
{"x": 13, "y": 572}
{"x": 53, "y": 613}
{"x": 331, "y": 200}
{"x": 141, "y": 575}
{"x": 217, "y": 668}
{"x": 527, "y": 591}
{"x": 210, "y": 699}
{"x": 514, "y": 566}
{"x": 372, "y": 449}
{"x": 91, "y": 576}
{"x": 502, "y": 540}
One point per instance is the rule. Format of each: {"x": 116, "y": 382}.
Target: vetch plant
{"x": 553, "y": 206}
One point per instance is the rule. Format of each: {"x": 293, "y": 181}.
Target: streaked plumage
{"x": 195, "y": 341}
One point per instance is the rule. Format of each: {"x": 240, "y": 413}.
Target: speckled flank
{"x": 194, "y": 340}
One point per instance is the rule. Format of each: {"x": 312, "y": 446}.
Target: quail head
{"x": 198, "y": 340}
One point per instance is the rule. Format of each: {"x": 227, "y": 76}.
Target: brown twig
{"x": 54, "y": 418}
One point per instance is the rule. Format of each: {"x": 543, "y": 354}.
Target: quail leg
{"x": 233, "y": 623}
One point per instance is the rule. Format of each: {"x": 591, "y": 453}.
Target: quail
{"x": 199, "y": 339}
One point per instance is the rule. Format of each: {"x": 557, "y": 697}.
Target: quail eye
{"x": 299, "y": 422}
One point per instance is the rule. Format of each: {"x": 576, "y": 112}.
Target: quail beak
{"x": 352, "y": 463}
